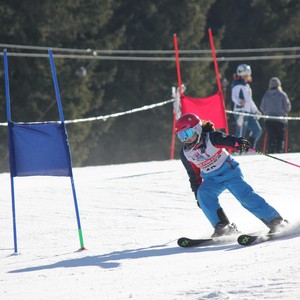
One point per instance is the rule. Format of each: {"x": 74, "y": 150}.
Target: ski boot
{"x": 224, "y": 229}
{"x": 277, "y": 225}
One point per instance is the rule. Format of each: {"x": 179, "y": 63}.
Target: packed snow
{"x": 131, "y": 217}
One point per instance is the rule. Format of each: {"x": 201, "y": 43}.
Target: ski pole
{"x": 268, "y": 155}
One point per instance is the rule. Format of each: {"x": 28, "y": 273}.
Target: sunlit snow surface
{"x": 131, "y": 217}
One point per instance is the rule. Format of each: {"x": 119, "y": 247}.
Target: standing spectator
{"x": 241, "y": 96}
{"x": 275, "y": 102}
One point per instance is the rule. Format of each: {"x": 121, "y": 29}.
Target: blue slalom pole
{"x": 8, "y": 112}
{"x": 61, "y": 115}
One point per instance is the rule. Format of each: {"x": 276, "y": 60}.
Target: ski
{"x": 242, "y": 239}
{"x": 253, "y": 239}
{"x": 186, "y": 242}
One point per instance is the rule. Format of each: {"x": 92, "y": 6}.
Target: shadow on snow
{"x": 112, "y": 260}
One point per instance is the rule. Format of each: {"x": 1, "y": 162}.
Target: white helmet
{"x": 243, "y": 70}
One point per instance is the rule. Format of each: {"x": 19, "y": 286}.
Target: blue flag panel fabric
{"x": 40, "y": 149}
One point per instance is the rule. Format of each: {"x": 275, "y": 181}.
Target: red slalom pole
{"x": 177, "y": 64}
{"x": 268, "y": 155}
{"x": 213, "y": 51}
{"x": 172, "y": 150}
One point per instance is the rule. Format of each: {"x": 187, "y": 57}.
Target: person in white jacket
{"x": 241, "y": 95}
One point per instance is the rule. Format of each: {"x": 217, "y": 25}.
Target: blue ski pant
{"x": 251, "y": 124}
{"x": 229, "y": 176}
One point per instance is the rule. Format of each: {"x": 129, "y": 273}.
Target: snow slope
{"x": 131, "y": 217}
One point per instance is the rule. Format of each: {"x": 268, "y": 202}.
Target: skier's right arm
{"x": 193, "y": 173}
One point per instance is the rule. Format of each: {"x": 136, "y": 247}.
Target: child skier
{"x": 204, "y": 154}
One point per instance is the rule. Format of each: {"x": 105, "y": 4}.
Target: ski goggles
{"x": 186, "y": 134}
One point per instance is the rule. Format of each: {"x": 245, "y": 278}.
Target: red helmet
{"x": 187, "y": 121}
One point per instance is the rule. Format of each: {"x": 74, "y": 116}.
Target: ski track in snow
{"x": 131, "y": 217}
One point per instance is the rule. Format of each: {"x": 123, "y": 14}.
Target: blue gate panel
{"x": 39, "y": 149}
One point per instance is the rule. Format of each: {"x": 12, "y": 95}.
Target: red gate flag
{"x": 210, "y": 108}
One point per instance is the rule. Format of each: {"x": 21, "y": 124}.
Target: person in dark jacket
{"x": 212, "y": 170}
{"x": 275, "y": 102}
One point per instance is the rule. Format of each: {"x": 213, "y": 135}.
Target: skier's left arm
{"x": 222, "y": 140}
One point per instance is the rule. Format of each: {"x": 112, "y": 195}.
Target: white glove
{"x": 240, "y": 120}
{"x": 258, "y": 115}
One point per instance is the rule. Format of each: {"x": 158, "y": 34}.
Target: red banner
{"x": 210, "y": 108}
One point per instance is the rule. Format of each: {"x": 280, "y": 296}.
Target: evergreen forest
{"x": 113, "y": 56}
